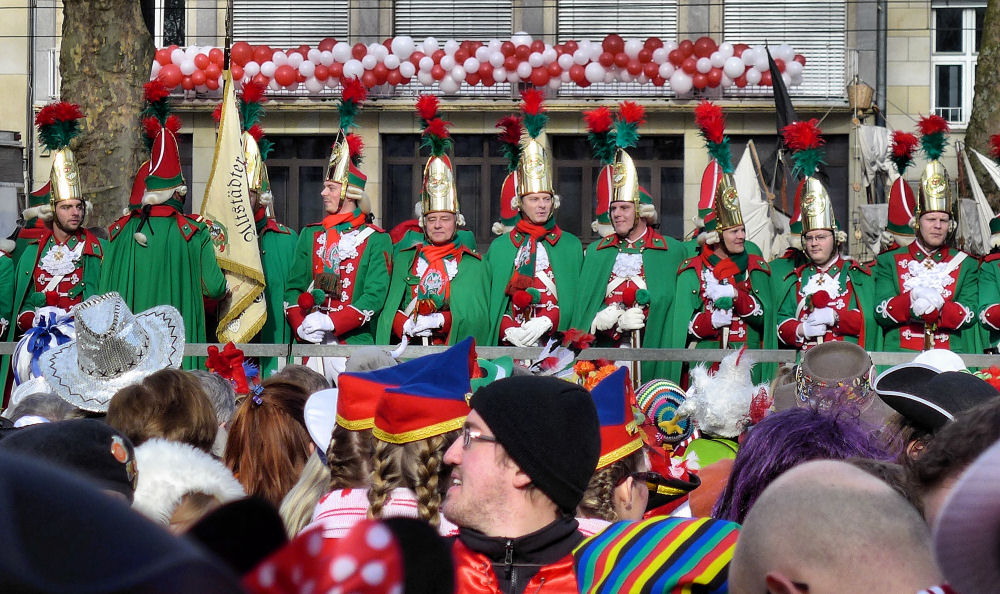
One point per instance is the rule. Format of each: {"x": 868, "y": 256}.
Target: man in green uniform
{"x": 534, "y": 267}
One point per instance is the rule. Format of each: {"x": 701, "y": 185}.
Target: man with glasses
{"x": 527, "y": 451}
{"x": 832, "y": 297}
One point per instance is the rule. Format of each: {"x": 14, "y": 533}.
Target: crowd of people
{"x": 375, "y": 472}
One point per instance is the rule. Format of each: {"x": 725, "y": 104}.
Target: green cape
{"x": 277, "y": 252}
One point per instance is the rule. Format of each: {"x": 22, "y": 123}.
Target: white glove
{"x": 317, "y": 321}
{"x": 824, "y": 316}
{"x": 415, "y": 328}
{"x": 605, "y": 319}
{"x": 718, "y": 291}
{"x": 534, "y": 329}
{"x": 315, "y": 337}
{"x": 515, "y": 336}
{"x": 921, "y": 305}
{"x": 721, "y": 318}
{"x": 811, "y": 330}
{"x": 632, "y": 319}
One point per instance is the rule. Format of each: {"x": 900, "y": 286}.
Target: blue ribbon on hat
{"x": 39, "y": 339}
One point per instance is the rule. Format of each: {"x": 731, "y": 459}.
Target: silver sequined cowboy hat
{"x": 113, "y": 349}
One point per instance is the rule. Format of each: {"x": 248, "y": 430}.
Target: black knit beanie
{"x": 549, "y": 427}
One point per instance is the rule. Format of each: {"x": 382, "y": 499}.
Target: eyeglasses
{"x": 817, "y": 238}
{"x": 469, "y": 435}
{"x": 656, "y": 483}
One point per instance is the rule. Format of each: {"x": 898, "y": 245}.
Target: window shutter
{"x": 284, "y": 23}
{"x": 817, "y": 29}
{"x": 461, "y": 20}
{"x": 595, "y": 19}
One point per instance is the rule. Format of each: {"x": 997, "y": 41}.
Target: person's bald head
{"x": 832, "y": 527}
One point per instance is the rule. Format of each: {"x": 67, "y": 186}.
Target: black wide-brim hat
{"x": 927, "y": 398}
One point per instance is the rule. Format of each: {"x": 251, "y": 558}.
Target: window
{"x": 817, "y": 29}
{"x": 288, "y": 23}
{"x": 461, "y": 20}
{"x": 168, "y": 22}
{"x": 955, "y": 37}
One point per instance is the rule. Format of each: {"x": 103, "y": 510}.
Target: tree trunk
{"x": 105, "y": 59}
{"x": 985, "y": 118}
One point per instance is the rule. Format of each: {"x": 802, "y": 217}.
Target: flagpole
{"x": 229, "y": 34}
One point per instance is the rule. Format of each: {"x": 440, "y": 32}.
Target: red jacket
{"x": 474, "y": 574}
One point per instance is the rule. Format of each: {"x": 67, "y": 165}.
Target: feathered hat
{"x": 935, "y": 186}
{"x": 438, "y": 192}
{"x": 58, "y": 124}
{"x": 347, "y": 152}
{"x": 995, "y": 221}
{"x": 164, "y": 177}
{"x": 725, "y": 201}
{"x": 805, "y": 139}
{"x": 511, "y": 128}
{"x": 618, "y": 181}
{"x": 256, "y": 148}
{"x": 725, "y": 403}
{"x": 534, "y": 169}
{"x": 902, "y": 202}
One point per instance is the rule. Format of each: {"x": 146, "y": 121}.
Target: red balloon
{"x": 653, "y": 43}
{"x": 658, "y": 80}
{"x": 780, "y": 64}
{"x": 198, "y": 77}
{"x": 538, "y": 46}
{"x": 240, "y": 53}
{"x": 326, "y": 45}
{"x": 739, "y": 48}
{"x": 261, "y": 54}
{"x": 613, "y": 43}
{"x": 201, "y": 61}
{"x": 686, "y": 47}
{"x": 507, "y": 48}
{"x": 571, "y": 47}
{"x": 714, "y": 77}
{"x": 461, "y": 56}
{"x": 237, "y": 71}
{"x": 260, "y": 79}
{"x": 621, "y": 59}
{"x": 577, "y": 73}
{"x": 437, "y": 72}
{"x": 676, "y": 57}
{"x": 322, "y": 72}
{"x": 704, "y": 47}
{"x": 285, "y": 75}
{"x": 540, "y": 77}
{"x": 387, "y": 42}
{"x": 606, "y": 59}
{"x": 645, "y": 55}
{"x": 213, "y": 71}
{"x": 554, "y": 69}
{"x": 394, "y": 78}
{"x": 437, "y": 55}
{"x": 650, "y": 69}
{"x": 472, "y": 78}
{"x": 700, "y": 81}
{"x": 303, "y": 49}
{"x": 358, "y": 51}
{"x": 187, "y": 84}
{"x": 415, "y": 58}
{"x": 216, "y": 56}
{"x": 163, "y": 56}
{"x": 170, "y": 75}
{"x": 368, "y": 79}
{"x": 583, "y": 84}
{"x": 300, "y": 78}
{"x": 689, "y": 65}
{"x": 510, "y": 63}
{"x": 765, "y": 78}
{"x": 485, "y": 71}
{"x": 212, "y": 84}
{"x": 634, "y": 67}
{"x": 800, "y": 59}
{"x": 741, "y": 81}
{"x": 336, "y": 70}
{"x": 522, "y": 52}
{"x": 381, "y": 73}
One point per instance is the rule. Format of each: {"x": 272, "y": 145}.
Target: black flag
{"x": 782, "y": 102}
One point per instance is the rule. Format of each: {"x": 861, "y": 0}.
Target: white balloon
{"x": 796, "y": 80}
{"x": 353, "y": 69}
{"x": 633, "y": 47}
{"x": 391, "y": 61}
{"x": 787, "y": 79}
{"x": 581, "y": 56}
{"x": 177, "y": 56}
{"x": 727, "y": 49}
{"x": 749, "y": 56}
{"x": 594, "y": 72}
{"x": 471, "y": 65}
{"x": 379, "y": 51}
{"x": 451, "y": 46}
{"x": 341, "y": 52}
{"x": 402, "y": 46}
{"x": 191, "y": 51}
{"x": 458, "y": 72}
{"x": 251, "y": 69}
{"x": 785, "y": 52}
{"x": 448, "y": 85}
{"x": 369, "y": 61}
{"x": 315, "y": 56}
{"x": 279, "y": 58}
{"x": 704, "y": 65}
{"x": 609, "y": 76}
{"x": 513, "y": 78}
{"x": 718, "y": 60}
{"x": 670, "y": 45}
{"x": 483, "y": 53}
{"x": 188, "y": 67}
{"x": 535, "y": 59}
{"x": 660, "y": 55}
{"x": 155, "y": 70}
{"x": 496, "y": 59}
{"x": 273, "y": 85}
{"x": 332, "y": 82}
{"x": 565, "y": 61}
{"x": 555, "y": 83}
{"x": 326, "y": 58}
{"x": 426, "y": 63}
{"x": 267, "y": 69}
{"x": 494, "y": 45}
{"x": 430, "y": 45}
{"x": 425, "y": 78}
{"x": 761, "y": 63}
{"x": 584, "y": 46}
{"x": 295, "y": 59}
{"x": 549, "y": 55}
{"x": 520, "y": 38}
{"x": 448, "y": 61}
{"x": 666, "y": 70}
{"x": 524, "y": 70}
{"x": 313, "y": 85}
{"x": 407, "y": 69}
{"x": 642, "y": 79}
{"x": 733, "y": 67}
{"x": 753, "y": 76}
{"x": 681, "y": 83}
{"x": 726, "y": 82}
{"x": 793, "y": 68}
{"x": 564, "y": 76}
{"x": 595, "y": 51}
{"x": 307, "y": 69}
{"x": 499, "y": 74}
{"x": 624, "y": 76}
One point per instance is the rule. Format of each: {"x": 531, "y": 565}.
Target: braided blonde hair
{"x": 349, "y": 458}
{"x": 418, "y": 466}
{"x": 599, "y": 498}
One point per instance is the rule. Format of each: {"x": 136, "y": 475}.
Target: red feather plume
{"x": 510, "y": 129}
{"x": 253, "y": 92}
{"x": 710, "y": 119}
{"x": 256, "y": 131}
{"x": 58, "y": 112}
{"x": 932, "y": 124}
{"x": 353, "y": 90}
{"x": 803, "y": 135}
{"x": 437, "y": 127}
{"x": 632, "y": 112}
{"x": 427, "y": 107}
{"x": 598, "y": 120}
{"x": 904, "y": 144}
{"x": 532, "y": 101}
{"x": 995, "y": 146}
{"x": 173, "y": 124}
{"x": 155, "y": 91}
{"x": 355, "y": 146}
{"x": 150, "y": 127}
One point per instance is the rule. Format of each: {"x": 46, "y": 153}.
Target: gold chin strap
{"x": 65, "y": 177}
{"x": 727, "y": 204}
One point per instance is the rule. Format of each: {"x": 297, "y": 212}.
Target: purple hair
{"x": 785, "y": 439}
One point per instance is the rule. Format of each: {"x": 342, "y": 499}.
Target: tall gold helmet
{"x": 727, "y": 204}
{"x": 256, "y": 169}
{"x": 624, "y": 179}
{"x": 935, "y": 190}
{"x": 65, "y": 177}
{"x": 437, "y": 193}
{"x": 534, "y": 170}
{"x": 58, "y": 124}
{"x": 817, "y": 208}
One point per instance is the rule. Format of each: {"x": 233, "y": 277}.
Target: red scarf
{"x": 524, "y": 273}
{"x": 434, "y": 288}
{"x": 336, "y": 224}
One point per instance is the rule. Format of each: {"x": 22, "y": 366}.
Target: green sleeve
{"x": 886, "y": 287}
{"x": 213, "y": 281}
{"x": 6, "y": 288}
{"x": 378, "y": 251}
{"x": 968, "y": 294}
{"x": 469, "y": 309}
{"x": 300, "y": 274}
